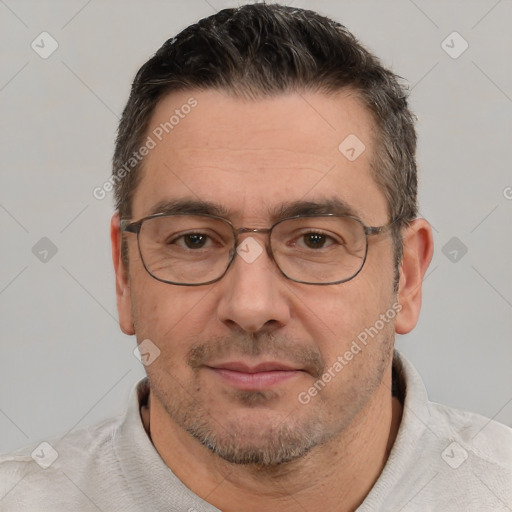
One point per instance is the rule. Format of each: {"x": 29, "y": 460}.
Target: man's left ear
{"x": 418, "y": 247}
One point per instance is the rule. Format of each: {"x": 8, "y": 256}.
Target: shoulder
{"x": 486, "y": 440}
{"x": 30, "y": 476}
{"x": 466, "y": 462}
{"x": 443, "y": 458}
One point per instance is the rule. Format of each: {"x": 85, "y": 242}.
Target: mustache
{"x": 275, "y": 347}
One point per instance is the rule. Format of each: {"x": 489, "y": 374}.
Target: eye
{"x": 316, "y": 240}
{"x": 192, "y": 241}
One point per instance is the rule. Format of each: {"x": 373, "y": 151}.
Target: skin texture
{"x": 251, "y": 157}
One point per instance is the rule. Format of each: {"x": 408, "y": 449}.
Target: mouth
{"x": 262, "y": 376}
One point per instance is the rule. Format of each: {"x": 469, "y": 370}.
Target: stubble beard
{"x": 291, "y": 435}
{"x": 266, "y": 445}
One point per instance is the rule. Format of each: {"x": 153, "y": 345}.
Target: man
{"x": 267, "y": 249}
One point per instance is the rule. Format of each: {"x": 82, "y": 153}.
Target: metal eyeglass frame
{"x": 135, "y": 227}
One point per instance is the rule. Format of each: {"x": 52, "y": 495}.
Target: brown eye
{"x": 191, "y": 241}
{"x": 315, "y": 240}
{"x": 195, "y": 240}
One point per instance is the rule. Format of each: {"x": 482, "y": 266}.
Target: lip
{"x": 262, "y": 376}
{"x": 240, "y": 366}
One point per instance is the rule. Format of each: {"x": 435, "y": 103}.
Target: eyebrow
{"x": 190, "y": 207}
{"x": 321, "y": 206}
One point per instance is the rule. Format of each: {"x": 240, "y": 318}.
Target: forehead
{"x": 251, "y": 156}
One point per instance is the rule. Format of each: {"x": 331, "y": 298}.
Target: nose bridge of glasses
{"x": 255, "y": 231}
{"x": 240, "y": 231}
{"x": 263, "y": 243}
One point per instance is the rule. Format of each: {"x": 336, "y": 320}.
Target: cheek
{"x": 339, "y": 309}
{"x": 169, "y": 315}
{"x": 336, "y": 316}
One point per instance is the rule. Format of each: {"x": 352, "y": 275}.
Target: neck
{"x": 335, "y": 476}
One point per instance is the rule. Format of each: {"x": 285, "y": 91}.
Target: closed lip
{"x": 239, "y": 366}
{"x": 255, "y": 377}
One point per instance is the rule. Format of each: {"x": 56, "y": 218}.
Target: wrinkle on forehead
{"x": 259, "y": 154}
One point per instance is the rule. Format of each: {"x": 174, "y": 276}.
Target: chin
{"x": 258, "y": 439}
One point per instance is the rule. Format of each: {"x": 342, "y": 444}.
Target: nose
{"x": 253, "y": 294}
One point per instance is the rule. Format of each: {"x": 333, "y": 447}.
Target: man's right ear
{"x": 124, "y": 301}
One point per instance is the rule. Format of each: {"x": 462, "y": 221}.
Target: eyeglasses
{"x": 193, "y": 250}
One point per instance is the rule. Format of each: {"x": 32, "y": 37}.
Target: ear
{"x": 418, "y": 247}
{"x": 124, "y": 303}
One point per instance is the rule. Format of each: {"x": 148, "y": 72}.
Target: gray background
{"x": 64, "y": 361}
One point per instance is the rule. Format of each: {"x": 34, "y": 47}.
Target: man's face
{"x": 251, "y": 158}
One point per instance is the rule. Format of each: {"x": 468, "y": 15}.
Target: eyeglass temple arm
{"x": 376, "y": 230}
{"x": 129, "y": 227}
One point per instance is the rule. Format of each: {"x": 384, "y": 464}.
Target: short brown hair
{"x": 261, "y": 50}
